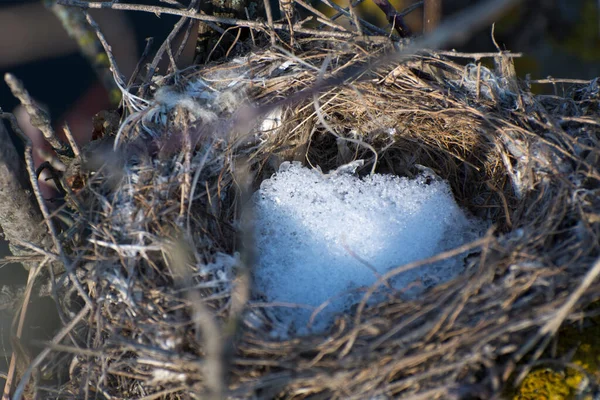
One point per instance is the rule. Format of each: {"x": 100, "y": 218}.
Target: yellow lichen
{"x": 551, "y": 384}
{"x": 544, "y": 384}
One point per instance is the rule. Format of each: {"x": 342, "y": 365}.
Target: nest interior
{"x": 163, "y": 255}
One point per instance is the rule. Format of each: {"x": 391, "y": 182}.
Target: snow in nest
{"x": 324, "y": 237}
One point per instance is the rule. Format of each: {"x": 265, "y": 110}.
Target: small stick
{"x": 33, "y": 273}
{"x": 138, "y": 66}
{"x": 394, "y": 18}
{"x": 432, "y": 14}
{"x": 355, "y": 19}
{"x": 71, "y": 139}
{"x": 159, "y": 54}
{"x": 347, "y": 13}
{"x": 227, "y": 21}
{"x": 251, "y": 30}
{"x": 477, "y": 56}
{"x": 267, "y": 5}
{"x": 111, "y": 59}
{"x": 320, "y": 16}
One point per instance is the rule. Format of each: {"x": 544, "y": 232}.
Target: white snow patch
{"x": 321, "y": 237}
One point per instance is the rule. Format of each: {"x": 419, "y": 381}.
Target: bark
{"x": 20, "y": 218}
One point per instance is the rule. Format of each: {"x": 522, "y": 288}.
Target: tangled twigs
{"x": 549, "y": 329}
{"x": 18, "y": 90}
{"x": 211, "y": 18}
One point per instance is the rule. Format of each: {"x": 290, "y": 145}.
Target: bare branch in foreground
{"x": 20, "y": 218}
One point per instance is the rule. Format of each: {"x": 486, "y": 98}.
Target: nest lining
{"x": 167, "y": 258}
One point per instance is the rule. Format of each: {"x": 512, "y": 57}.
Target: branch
{"x": 20, "y": 218}
{"x": 206, "y": 18}
{"x": 39, "y": 118}
{"x": 394, "y": 18}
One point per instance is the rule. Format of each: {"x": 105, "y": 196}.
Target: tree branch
{"x": 20, "y": 218}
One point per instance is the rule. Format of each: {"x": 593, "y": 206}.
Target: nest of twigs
{"x": 163, "y": 254}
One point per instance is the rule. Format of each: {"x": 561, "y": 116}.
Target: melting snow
{"x": 322, "y": 237}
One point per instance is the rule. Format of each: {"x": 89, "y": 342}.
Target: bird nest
{"x": 159, "y": 290}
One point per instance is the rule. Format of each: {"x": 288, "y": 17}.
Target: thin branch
{"x": 268, "y": 11}
{"x": 138, "y": 66}
{"x": 432, "y": 15}
{"x": 20, "y": 217}
{"x": 40, "y": 199}
{"x": 477, "y": 56}
{"x": 394, "y": 18}
{"x": 211, "y": 18}
{"x": 74, "y": 23}
{"x": 39, "y": 118}
{"x": 71, "y": 140}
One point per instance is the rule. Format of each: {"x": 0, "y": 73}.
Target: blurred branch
{"x": 19, "y": 91}
{"x": 20, "y": 218}
{"x": 394, "y": 18}
{"x": 39, "y": 118}
{"x": 74, "y": 23}
{"x": 432, "y": 14}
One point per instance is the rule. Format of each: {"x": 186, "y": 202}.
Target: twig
{"x": 269, "y": 12}
{"x": 212, "y": 18}
{"x": 320, "y": 16}
{"x": 549, "y": 329}
{"x": 184, "y": 40}
{"x": 476, "y": 56}
{"x": 74, "y": 23}
{"x": 561, "y": 80}
{"x": 33, "y": 273}
{"x": 118, "y": 77}
{"x": 355, "y": 18}
{"x": 159, "y": 54}
{"x": 71, "y": 140}
{"x": 145, "y": 53}
{"x": 394, "y": 18}
{"x": 411, "y": 8}
{"x": 432, "y": 14}
{"x": 39, "y": 118}
{"x": 347, "y": 13}
{"x": 42, "y": 202}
